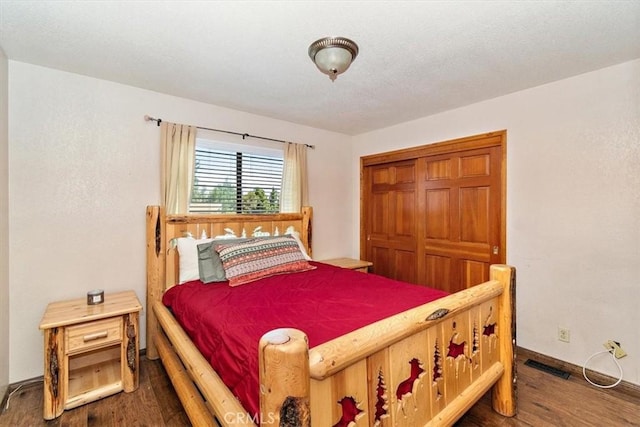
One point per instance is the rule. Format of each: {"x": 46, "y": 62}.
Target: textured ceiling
{"x": 416, "y": 58}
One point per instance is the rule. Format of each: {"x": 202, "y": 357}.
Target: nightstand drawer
{"x": 93, "y": 334}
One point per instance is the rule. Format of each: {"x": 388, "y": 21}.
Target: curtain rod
{"x": 243, "y": 135}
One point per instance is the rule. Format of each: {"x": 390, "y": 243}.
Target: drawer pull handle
{"x": 96, "y": 336}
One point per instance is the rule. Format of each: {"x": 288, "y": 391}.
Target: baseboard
{"x": 625, "y": 387}
{"x": 5, "y": 395}
{"x": 12, "y": 387}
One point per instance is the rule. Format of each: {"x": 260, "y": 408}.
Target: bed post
{"x": 504, "y": 391}
{"x": 284, "y": 378}
{"x": 155, "y": 272}
{"x": 306, "y": 233}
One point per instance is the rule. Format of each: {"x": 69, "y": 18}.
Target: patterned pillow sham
{"x": 255, "y": 259}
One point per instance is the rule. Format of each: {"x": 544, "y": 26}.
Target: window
{"x": 230, "y": 178}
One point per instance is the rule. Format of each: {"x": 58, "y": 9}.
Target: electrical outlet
{"x": 563, "y": 334}
{"x": 615, "y": 349}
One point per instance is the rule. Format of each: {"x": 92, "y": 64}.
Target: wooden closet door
{"x": 435, "y": 214}
{"x": 390, "y": 200}
{"x": 460, "y": 228}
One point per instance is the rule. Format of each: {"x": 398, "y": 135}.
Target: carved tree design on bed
{"x": 475, "y": 346}
{"x": 437, "y": 369}
{"x": 382, "y": 403}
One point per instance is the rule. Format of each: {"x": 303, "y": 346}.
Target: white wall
{"x": 83, "y": 166}
{"x": 573, "y": 206}
{"x": 573, "y": 209}
{"x": 4, "y": 227}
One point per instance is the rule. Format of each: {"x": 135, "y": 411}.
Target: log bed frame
{"x": 425, "y": 366}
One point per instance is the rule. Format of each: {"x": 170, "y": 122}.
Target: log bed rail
{"x": 425, "y": 366}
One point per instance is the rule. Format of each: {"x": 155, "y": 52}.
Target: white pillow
{"x": 296, "y": 236}
{"x": 188, "y": 250}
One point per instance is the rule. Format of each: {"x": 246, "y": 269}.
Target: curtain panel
{"x": 178, "y": 159}
{"x": 294, "y": 192}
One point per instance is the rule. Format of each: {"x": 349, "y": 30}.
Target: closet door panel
{"x": 460, "y": 193}
{"x": 474, "y": 215}
{"x": 437, "y": 216}
{"x": 404, "y": 206}
{"x": 379, "y": 219}
{"x": 472, "y": 272}
{"x": 438, "y": 271}
{"x": 475, "y": 165}
{"x": 379, "y": 256}
{"x": 390, "y": 226}
{"x": 405, "y": 266}
{"x": 438, "y": 169}
{"x": 404, "y": 174}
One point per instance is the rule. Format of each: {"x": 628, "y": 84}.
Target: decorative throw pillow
{"x": 210, "y": 266}
{"x": 255, "y": 259}
{"x": 188, "y": 251}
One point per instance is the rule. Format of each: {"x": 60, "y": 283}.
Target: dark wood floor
{"x": 543, "y": 400}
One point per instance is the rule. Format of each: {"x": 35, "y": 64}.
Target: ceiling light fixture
{"x": 333, "y": 55}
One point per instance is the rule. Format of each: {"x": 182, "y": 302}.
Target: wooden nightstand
{"x": 353, "y": 264}
{"x": 90, "y": 351}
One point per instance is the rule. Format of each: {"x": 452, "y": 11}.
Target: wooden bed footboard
{"x": 425, "y": 366}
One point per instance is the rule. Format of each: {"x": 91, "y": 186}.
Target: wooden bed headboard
{"x": 162, "y": 259}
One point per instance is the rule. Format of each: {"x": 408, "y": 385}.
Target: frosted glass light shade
{"x": 333, "y": 55}
{"x": 333, "y": 60}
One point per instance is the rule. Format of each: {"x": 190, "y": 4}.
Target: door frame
{"x": 484, "y": 140}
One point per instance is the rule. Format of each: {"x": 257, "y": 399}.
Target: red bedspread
{"x": 227, "y": 323}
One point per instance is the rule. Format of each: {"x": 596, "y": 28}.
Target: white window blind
{"x": 229, "y": 179}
